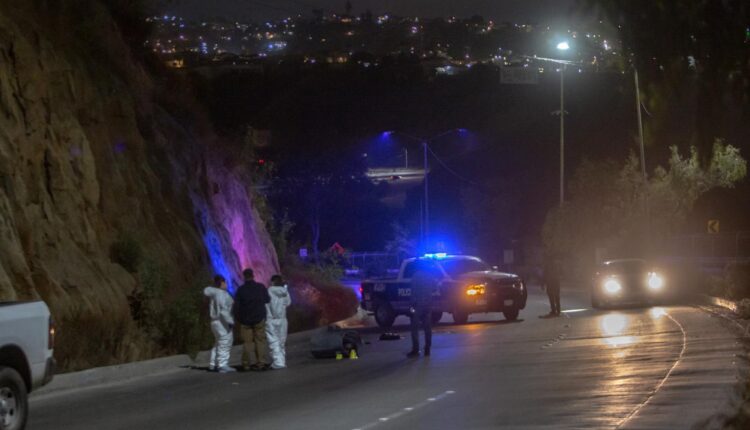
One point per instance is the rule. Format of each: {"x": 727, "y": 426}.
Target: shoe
{"x": 412, "y": 354}
{"x": 427, "y": 352}
{"x": 212, "y": 368}
{"x": 275, "y": 367}
{"x": 227, "y": 369}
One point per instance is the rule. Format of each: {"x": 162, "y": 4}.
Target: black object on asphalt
{"x": 390, "y": 336}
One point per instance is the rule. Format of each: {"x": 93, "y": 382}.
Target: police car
{"x": 468, "y": 286}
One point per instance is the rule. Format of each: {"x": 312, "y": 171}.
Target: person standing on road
{"x": 222, "y": 325}
{"x": 552, "y": 286}
{"x": 423, "y": 285}
{"x": 277, "y": 324}
{"x": 250, "y": 311}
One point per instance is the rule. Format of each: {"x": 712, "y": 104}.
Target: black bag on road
{"x": 331, "y": 340}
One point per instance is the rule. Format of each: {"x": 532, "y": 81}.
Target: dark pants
{"x": 423, "y": 315}
{"x": 553, "y": 292}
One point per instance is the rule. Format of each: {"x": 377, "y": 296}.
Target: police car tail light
{"x": 474, "y": 290}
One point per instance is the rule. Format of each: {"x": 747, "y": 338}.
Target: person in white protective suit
{"x": 277, "y": 324}
{"x": 222, "y": 324}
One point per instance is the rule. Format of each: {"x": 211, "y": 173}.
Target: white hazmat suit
{"x": 220, "y": 311}
{"x": 277, "y": 324}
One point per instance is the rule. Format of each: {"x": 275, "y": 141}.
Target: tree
{"x": 607, "y": 206}
{"x": 694, "y": 59}
{"x": 403, "y": 244}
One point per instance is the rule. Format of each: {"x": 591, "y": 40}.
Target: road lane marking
{"x": 664, "y": 380}
{"x": 406, "y": 410}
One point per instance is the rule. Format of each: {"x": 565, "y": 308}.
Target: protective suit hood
{"x": 280, "y": 299}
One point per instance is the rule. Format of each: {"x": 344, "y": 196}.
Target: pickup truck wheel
{"x": 436, "y": 317}
{"x": 14, "y": 407}
{"x": 511, "y": 314}
{"x": 460, "y": 317}
{"x": 384, "y": 315}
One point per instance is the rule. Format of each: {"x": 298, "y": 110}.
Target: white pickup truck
{"x": 27, "y": 336}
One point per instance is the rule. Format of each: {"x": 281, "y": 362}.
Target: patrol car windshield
{"x": 459, "y": 266}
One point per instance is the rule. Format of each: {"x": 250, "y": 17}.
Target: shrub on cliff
{"x": 318, "y": 298}
{"x": 127, "y": 252}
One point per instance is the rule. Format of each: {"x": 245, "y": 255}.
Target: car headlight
{"x": 655, "y": 282}
{"x": 473, "y": 290}
{"x": 612, "y": 286}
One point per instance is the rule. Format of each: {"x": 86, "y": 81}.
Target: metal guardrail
{"x": 722, "y": 246}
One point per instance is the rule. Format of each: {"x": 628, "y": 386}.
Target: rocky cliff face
{"x": 87, "y": 156}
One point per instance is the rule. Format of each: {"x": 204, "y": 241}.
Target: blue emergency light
{"x": 438, "y": 255}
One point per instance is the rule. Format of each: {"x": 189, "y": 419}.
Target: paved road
{"x": 670, "y": 367}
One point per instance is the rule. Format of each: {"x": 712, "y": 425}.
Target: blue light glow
{"x": 218, "y": 263}
{"x": 437, "y": 255}
{"x": 386, "y": 134}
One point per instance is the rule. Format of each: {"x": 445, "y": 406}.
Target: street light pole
{"x": 406, "y": 158}
{"x": 562, "y": 46}
{"x": 425, "y": 216}
{"x": 562, "y": 135}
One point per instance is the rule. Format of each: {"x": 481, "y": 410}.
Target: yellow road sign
{"x": 713, "y": 226}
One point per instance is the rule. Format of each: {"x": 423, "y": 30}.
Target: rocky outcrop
{"x": 86, "y": 156}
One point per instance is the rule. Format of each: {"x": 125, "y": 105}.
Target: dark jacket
{"x": 423, "y": 286}
{"x": 250, "y": 303}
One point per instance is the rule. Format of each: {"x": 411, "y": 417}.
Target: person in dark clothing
{"x": 552, "y": 286}
{"x": 250, "y": 312}
{"x": 424, "y": 283}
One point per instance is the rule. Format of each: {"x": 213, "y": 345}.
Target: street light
{"x": 425, "y": 147}
{"x": 563, "y": 46}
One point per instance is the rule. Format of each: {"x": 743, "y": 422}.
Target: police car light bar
{"x": 437, "y": 255}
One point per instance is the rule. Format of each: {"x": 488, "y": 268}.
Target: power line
{"x": 451, "y": 171}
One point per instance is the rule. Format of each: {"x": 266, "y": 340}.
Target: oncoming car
{"x": 627, "y": 281}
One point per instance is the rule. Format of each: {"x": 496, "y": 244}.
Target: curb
{"x": 139, "y": 369}
{"x": 724, "y": 303}
{"x": 116, "y": 373}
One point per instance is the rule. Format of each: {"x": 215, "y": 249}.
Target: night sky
{"x": 533, "y": 11}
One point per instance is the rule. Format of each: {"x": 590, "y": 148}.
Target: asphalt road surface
{"x": 670, "y": 367}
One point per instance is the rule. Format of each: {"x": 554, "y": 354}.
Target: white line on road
{"x": 406, "y": 410}
{"x": 664, "y": 380}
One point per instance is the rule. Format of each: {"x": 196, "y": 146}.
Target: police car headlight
{"x": 612, "y": 286}
{"x": 473, "y": 290}
{"x": 655, "y": 282}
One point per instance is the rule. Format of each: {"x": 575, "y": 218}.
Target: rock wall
{"x": 86, "y": 156}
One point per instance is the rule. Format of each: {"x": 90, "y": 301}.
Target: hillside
{"x": 93, "y": 161}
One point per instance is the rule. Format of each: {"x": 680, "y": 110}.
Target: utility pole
{"x": 426, "y": 197}
{"x": 640, "y": 125}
